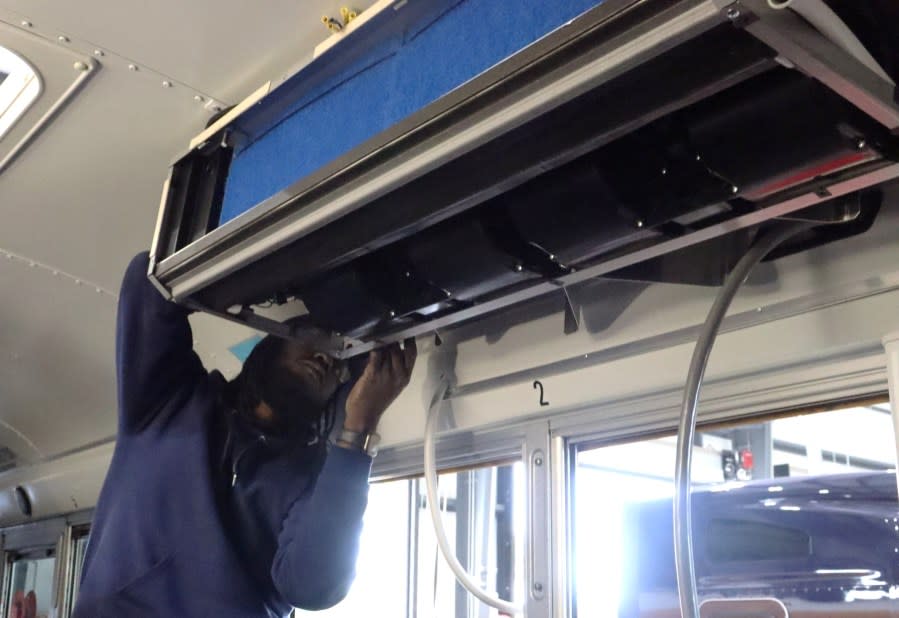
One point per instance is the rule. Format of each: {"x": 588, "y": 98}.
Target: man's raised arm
{"x": 155, "y": 361}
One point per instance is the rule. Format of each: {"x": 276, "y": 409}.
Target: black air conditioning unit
{"x": 643, "y": 140}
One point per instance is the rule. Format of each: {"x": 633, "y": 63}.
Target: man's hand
{"x": 386, "y": 375}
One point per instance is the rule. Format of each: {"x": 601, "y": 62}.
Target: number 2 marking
{"x": 539, "y": 385}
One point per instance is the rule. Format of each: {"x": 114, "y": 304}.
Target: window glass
{"x": 736, "y": 540}
{"x": 483, "y": 515}
{"x": 400, "y": 572}
{"x": 802, "y": 511}
{"x": 380, "y": 587}
{"x": 31, "y": 587}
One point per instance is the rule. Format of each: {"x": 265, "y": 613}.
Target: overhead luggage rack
{"x": 640, "y": 140}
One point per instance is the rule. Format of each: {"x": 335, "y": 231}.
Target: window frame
{"x": 21, "y": 88}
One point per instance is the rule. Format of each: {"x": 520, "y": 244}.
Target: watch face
{"x": 371, "y": 444}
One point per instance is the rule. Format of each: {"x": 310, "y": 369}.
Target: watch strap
{"x": 367, "y": 442}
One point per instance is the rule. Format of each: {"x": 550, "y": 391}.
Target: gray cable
{"x": 683, "y": 537}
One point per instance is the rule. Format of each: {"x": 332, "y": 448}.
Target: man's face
{"x": 317, "y": 373}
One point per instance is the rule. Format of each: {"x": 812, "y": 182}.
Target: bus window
{"x": 798, "y": 511}
{"x": 79, "y": 548}
{"x": 399, "y": 571}
{"x": 483, "y": 515}
{"x": 31, "y": 585}
{"x": 382, "y": 573}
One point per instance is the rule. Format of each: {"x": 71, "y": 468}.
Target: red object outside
{"x": 746, "y": 459}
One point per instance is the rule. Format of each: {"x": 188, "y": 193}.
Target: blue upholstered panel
{"x": 396, "y": 78}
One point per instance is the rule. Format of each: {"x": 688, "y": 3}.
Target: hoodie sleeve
{"x": 154, "y": 349}
{"x": 319, "y": 541}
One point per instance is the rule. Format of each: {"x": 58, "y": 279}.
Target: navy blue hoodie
{"x": 201, "y": 513}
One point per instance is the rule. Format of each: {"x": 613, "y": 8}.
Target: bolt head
{"x": 80, "y": 66}
{"x": 733, "y": 13}
{"x": 26, "y": 23}
{"x": 198, "y": 98}
{"x": 538, "y": 587}
{"x": 166, "y": 84}
{"x": 62, "y": 38}
{"x": 538, "y": 461}
{"x": 99, "y": 53}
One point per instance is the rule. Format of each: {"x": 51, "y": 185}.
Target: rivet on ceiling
{"x": 62, "y": 38}
{"x": 54, "y": 272}
{"x": 26, "y": 23}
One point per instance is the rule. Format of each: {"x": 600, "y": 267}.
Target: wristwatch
{"x": 364, "y": 441}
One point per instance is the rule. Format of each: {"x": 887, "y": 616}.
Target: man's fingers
{"x": 375, "y": 362}
{"x": 410, "y": 353}
{"x": 397, "y": 367}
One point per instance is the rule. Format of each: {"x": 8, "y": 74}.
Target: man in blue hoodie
{"x": 227, "y": 499}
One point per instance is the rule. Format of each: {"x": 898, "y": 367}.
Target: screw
{"x": 861, "y": 144}
{"x": 733, "y": 13}
{"x": 27, "y": 23}
{"x": 640, "y": 223}
{"x": 80, "y": 66}
{"x": 62, "y": 38}
{"x": 538, "y": 461}
{"x": 538, "y": 587}
{"x": 198, "y": 98}
{"x": 99, "y": 53}
{"x": 132, "y": 67}
{"x": 166, "y": 84}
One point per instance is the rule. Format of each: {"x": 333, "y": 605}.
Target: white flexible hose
{"x": 683, "y": 533}
{"x": 431, "y": 486}
{"x": 831, "y": 26}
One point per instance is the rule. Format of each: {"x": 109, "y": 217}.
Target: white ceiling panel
{"x": 56, "y": 359}
{"x": 83, "y": 197}
{"x": 225, "y": 49}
